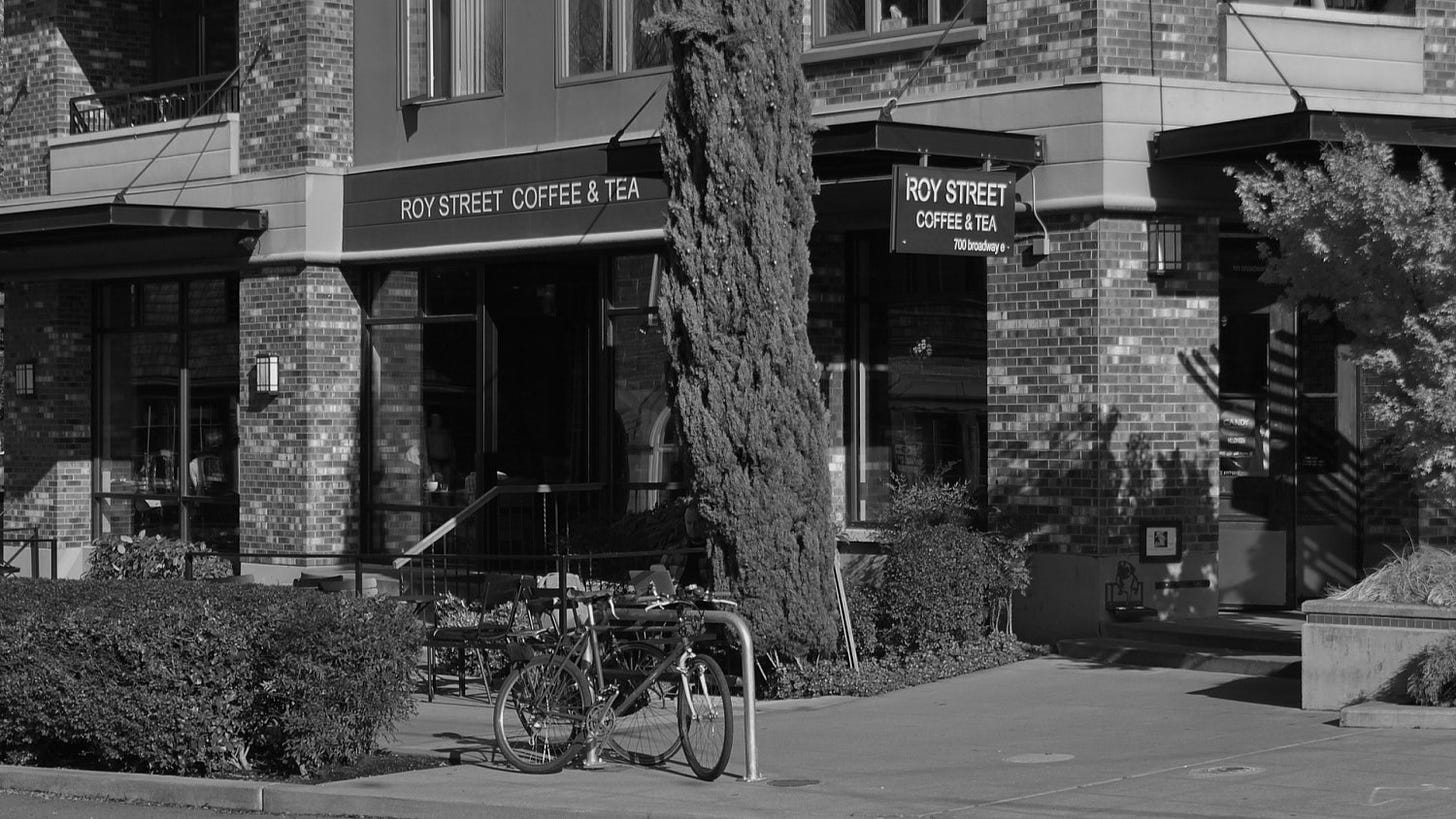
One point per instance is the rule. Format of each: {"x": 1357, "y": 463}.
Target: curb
{"x": 224, "y": 794}
{"x": 1394, "y": 715}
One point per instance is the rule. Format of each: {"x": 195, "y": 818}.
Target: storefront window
{"x": 169, "y": 402}
{"x": 917, "y": 371}
{"x": 651, "y": 462}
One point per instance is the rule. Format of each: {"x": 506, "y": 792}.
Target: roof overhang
{"x": 861, "y": 148}
{"x": 870, "y": 148}
{"x": 1298, "y": 136}
{"x": 119, "y": 238}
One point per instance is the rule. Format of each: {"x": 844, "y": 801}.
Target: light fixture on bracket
{"x": 1165, "y": 247}
{"x": 25, "y": 379}
{"x": 265, "y": 373}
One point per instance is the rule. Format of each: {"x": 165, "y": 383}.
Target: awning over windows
{"x": 855, "y": 148}
{"x": 125, "y": 239}
{"x": 1298, "y": 136}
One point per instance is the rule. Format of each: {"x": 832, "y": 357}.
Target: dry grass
{"x": 1422, "y": 575}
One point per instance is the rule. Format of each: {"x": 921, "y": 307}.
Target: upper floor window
{"x": 452, "y": 48}
{"x": 605, "y": 36}
{"x": 847, "y": 19}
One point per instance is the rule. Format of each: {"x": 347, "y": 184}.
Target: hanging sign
{"x": 953, "y": 212}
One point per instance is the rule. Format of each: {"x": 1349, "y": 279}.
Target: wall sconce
{"x": 1165, "y": 247}
{"x": 25, "y": 379}
{"x": 265, "y": 373}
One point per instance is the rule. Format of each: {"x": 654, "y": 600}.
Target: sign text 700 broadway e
{"x": 952, "y": 212}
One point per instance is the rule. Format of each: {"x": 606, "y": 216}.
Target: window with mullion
{"x": 450, "y": 48}
{"x": 851, "y": 19}
{"x": 606, "y": 37}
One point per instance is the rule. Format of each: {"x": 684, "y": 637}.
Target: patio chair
{"x": 491, "y": 631}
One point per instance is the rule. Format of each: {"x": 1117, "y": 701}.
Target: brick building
{"x": 437, "y": 222}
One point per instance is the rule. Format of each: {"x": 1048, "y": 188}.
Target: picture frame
{"x": 1162, "y": 542}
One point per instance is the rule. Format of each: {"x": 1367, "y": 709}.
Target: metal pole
{"x": 739, "y": 625}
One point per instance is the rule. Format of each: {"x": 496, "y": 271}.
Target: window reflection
{"x": 168, "y": 409}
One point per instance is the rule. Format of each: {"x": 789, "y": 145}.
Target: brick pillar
{"x": 48, "y": 437}
{"x": 1103, "y": 405}
{"x": 299, "y": 457}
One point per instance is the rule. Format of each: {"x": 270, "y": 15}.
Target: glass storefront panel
{"x": 917, "y": 372}
{"x": 649, "y": 464}
{"x": 168, "y": 409}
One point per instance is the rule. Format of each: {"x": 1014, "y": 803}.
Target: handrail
{"x": 480, "y": 503}
{"x": 29, "y": 537}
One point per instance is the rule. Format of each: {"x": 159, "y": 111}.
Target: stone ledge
{"x": 1393, "y": 715}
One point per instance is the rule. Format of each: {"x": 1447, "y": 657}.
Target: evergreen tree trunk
{"x": 737, "y": 157}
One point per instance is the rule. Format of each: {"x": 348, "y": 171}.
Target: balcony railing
{"x": 147, "y": 104}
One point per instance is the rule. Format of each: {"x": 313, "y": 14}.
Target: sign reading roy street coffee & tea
{"x": 953, "y": 212}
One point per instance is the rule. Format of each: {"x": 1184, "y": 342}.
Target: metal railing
{"x": 18, "y": 542}
{"x": 158, "y": 102}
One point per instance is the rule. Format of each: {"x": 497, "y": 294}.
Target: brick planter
{"x": 1356, "y": 651}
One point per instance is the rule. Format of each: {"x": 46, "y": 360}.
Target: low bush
{"x": 893, "y": 670}
{"x": 947, "y": 571}
{"x": 1433, "y": 674}
{"x": 938, "y": 610}
{"x": 198, "y": 678}
{"x": 151, "y": 557}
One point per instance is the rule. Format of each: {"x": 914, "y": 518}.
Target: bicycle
{"x": 548, "y": 711}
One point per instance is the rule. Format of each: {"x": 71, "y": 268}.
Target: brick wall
{"x": 299, "y": 456}
{"x": 1439, "y": 19}
{"x": 1028, "y": 40}
{"x": 50, "y": 486}
{"x": 298, "y": 102}
{"x": 1102, "y": 409}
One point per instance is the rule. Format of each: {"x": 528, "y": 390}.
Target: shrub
{"x": 197, "y": 678}
{"x": 151, "y": 557}
{"x": 1433, "y": 674}
{"x": 945, "y": 573}
{"x": 1423, "y": 575}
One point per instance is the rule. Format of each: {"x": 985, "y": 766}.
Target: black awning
{"x": 880, "y": 144}
{"x": 1298, "y": 135}
{"x": 96, "y": 239}
{"x": 870, "y": 148}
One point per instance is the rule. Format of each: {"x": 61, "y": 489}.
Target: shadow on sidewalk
{"x": 1281, "y": 692}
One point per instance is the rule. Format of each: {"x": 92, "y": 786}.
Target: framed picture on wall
{"x": 1162, "y": 542}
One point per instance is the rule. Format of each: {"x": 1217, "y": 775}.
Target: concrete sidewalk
{"x": 1044, "y": 737}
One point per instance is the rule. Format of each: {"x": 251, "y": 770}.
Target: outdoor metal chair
{"x": 493, "y": 630}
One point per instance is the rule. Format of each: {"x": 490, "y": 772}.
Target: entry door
{"x": 1257, "y": 369}
{"x": 541, "y": 364}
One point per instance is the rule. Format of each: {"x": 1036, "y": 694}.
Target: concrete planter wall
{"x": 1357, "y": 651}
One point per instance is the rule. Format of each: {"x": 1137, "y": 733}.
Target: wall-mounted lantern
{"x": 25, "y": 379}
{"x": 265, "y": 373}
{"x": 1165, "y": 247}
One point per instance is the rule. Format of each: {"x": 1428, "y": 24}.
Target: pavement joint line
{"x": 1116, "y": 779}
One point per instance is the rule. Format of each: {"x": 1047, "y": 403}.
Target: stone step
{"x": 1115, "y": 651}
{"x": 1265, "y": 637}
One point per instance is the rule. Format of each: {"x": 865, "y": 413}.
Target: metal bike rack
{"x": 739, "y": 625}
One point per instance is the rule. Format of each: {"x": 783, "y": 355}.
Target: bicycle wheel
{"x": 705, "y": 718}
{"x": 540, "y": 715}
{"x": 646, "y": 727}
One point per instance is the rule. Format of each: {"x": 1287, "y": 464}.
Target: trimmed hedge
{"x": 167, "y": 676}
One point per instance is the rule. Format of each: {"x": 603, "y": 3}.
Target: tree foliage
{"x": 1376, "y": 249}
{"x": 737, "y": 158}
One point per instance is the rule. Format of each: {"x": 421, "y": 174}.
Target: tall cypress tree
{"x": 737, "y": 151}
